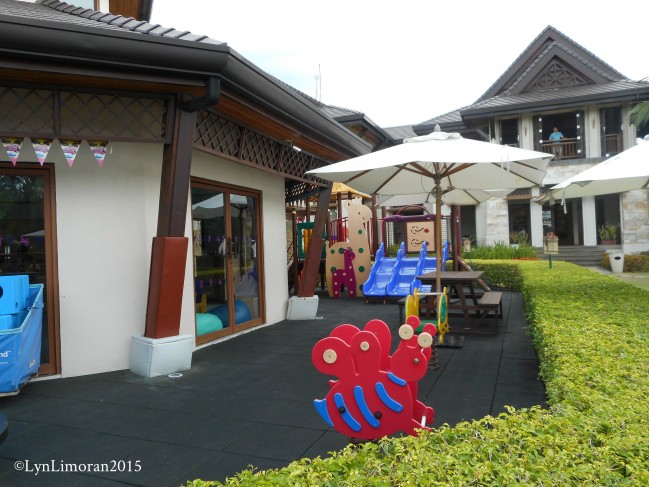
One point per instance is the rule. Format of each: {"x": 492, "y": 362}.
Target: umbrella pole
{"x": 438, "y": 236}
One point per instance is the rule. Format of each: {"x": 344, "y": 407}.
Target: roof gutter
{"x": 23, "y": 37}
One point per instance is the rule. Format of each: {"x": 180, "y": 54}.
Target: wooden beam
{"x": 314, "y": 253}
{"x": 174, "y": 186}
{"x": 169, "y": 250}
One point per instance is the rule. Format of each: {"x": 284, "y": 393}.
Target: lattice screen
{"x": 220, "y": 136}
{"x": 53, "y": 113}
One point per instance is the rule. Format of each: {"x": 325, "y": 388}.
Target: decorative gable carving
{"x": 557, "y": 75}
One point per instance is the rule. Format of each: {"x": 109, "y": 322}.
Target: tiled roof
{"x": 541, "y": 59}
{"x": 449, "y": 117}
{"x": 61, "y": 12}
{"x": 557, "y": 96}
{"x": 399, "y": 133}
{"x": 580, "y": 52}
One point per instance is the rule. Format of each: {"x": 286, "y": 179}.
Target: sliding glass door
{"x": 27, "y": 244}
{"x": 227, "y": 268}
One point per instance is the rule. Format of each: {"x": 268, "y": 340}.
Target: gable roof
{"x": 553, "y": 72}
{"x": 550, "y": 43}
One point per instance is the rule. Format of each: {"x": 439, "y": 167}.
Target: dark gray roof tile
{"x": 62, "y": 12}
{"x": 557, "y": 95}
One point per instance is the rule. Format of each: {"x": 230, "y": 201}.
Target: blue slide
{"x": 404, "y": 274}
{"x": 428, "y": 264}
{"x": 381, "y": 271}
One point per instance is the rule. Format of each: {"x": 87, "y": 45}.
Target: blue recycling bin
{"x": 21, "y": 322}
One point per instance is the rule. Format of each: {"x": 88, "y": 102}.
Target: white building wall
{"x": 106, "y": 220}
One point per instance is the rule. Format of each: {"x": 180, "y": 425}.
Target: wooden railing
{"x": 611, "y": 144}
{"x": 563, "y": 149}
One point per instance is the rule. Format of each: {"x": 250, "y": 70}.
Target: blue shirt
{"x": 556, "y": 136}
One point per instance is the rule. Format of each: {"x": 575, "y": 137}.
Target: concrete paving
{"x": 245, "y": 401}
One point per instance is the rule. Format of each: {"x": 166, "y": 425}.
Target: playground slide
{"x": 381, "y": 271}
{"x": 405, "y": 272}
{"x": 403, "y": 275}
{"x": 429, "y": 264}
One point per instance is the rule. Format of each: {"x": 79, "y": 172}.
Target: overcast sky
{"x": 402, "y": 62}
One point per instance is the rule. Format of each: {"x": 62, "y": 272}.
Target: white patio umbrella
{"x": 454, "y": 197}
{"x": 441, "y": 161}
{"x": 625, "y": 171}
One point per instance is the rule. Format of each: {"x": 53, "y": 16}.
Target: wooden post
{"x": 314, "y": 253}
{"x": 457, "y": 237}
{"x": 296, "y": 268}
{"x": 339, "y": 202}
{"x": 169, "y": 250}
{"x": 375, "y": 227}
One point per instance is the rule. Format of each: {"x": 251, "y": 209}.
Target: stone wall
{"x": 635, "y": 221}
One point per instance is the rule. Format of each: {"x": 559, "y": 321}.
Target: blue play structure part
{"x": 20, "y": 345}
{"x": 241, "y": 312}
{"x": 381, "y": 271}
{"x": 404, "y": 273}
{"x": 396, "y": 276}
{"x": 207, "y": 323}
{"x": 429, "y": 264}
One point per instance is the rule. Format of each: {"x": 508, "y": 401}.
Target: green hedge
{"x": 591, "y": 333}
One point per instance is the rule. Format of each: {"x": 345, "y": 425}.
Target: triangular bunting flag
{"x": 70, "y": 149}
{"x": 98, "y": 149}
{"x": 12, "y": 145}
{"x": 41, "y": 148}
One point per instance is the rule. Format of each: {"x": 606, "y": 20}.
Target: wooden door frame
{"x": 261, "y": 319}
{"x": 51, "y": 260}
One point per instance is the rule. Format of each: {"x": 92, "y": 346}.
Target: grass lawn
{"x": 638, "y": 279}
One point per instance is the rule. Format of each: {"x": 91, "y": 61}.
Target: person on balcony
{"x": 555, "y": 137}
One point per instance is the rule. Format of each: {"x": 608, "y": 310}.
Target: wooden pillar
{"x": 296, "y": 261}
{"x": 457, "y": 237}
{"x": 314, "y": 253}
{"x": 169, "y": 250}
{"x": 307, "y": 206}
{"x": 339, "y": 203}
{"x": 375, "y": 227}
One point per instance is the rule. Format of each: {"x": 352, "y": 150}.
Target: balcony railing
{"x": 611, "y": 144}
{"x": 563, "y": 149}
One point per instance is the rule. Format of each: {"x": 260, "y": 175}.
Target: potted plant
{"x": 607, "y": 234}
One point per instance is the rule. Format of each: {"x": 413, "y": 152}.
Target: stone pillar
{"x": 498, "y": 223}
{"x": 536, "y": 220}
{"x": 588, "y": 216}
{"x": 526, "y": 133}
{"x": 635, "y": 221}
{"x": 592, "y": 132}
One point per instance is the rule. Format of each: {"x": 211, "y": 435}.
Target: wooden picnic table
{"x": 461, "y": 289}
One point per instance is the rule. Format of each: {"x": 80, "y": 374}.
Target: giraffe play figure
{"x": 345, "y": 276}
{"x": 357, "y": 241}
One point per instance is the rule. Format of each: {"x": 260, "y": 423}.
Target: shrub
{"x": 632, "y": 262}
{"x": 501, "y": 250}
{"x": 591, "y": 335}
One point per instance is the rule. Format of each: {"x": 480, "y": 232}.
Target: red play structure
{"x": 376, "y": 393}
